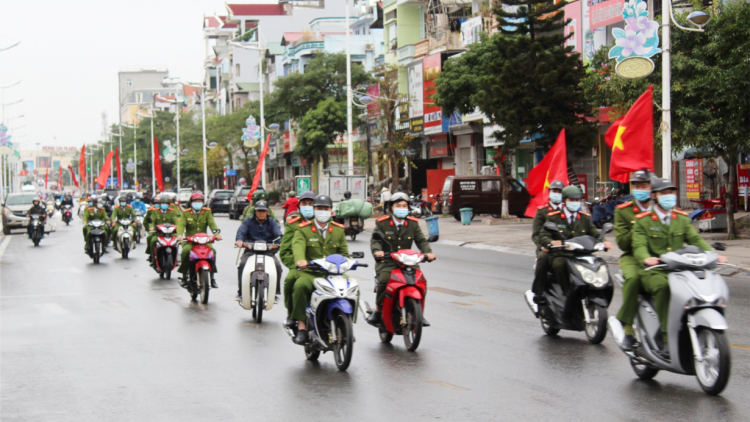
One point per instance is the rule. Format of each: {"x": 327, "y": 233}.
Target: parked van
{"x": 483, "y": 194}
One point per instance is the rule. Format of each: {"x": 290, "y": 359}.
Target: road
{"x": 85, "y": 342}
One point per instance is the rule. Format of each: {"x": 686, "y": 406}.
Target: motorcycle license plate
{"x": 355, "y": 223}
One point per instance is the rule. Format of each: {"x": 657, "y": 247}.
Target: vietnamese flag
{"x": 117, "y": 160}
{"x": 73, "y": 176}
{"x": 259, "y": 169}
{"x": 82, "y": 165}
{"x": 632, "y": 139}
{"x": 104, "y": 174}
{"x": 46, "y": 174}
{"x": 157, "y": 166}
{"x": 60, "y": 186}
{"x": 553, "y": 167}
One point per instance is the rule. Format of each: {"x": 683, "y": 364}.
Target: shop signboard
{"x": 573, "y": 12}
{"x": 416, "y": 89}
{"x": 433, "y": 115}
{"x": 416, "y": 125}
{"x": 743, "y": 175}
{"x": 287, "y": 142}
{"x": 604, "y": 13}
{"x": 693, "y": 178}
{"x": 439, "y": 146}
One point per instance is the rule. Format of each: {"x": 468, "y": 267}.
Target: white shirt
{"x": 323, "y": 230}
{"x": 570, "y": 216}
{"x": 648, "y": 208}
{"x": 555, "y": 206}
{"x": 664, "y": 218}
{"x": 398, "y": 225}
{"x": 385, "y": 196}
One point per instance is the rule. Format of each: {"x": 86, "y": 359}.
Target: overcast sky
{"x": 71, "y": 51}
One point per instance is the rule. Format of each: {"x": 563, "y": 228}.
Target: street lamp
{"x": 153, "y": 172}
{"x": 349, "y": 146}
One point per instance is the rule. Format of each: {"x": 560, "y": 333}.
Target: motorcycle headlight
{"x": 324, "y": 287}
{"x": 352, "y": 290}
{"x": 602, "y": 277}
{"x": 587, "y": 275}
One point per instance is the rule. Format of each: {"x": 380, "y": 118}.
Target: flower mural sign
{"x": 5, "y": 143}
{"x": 251, "y": 135}
{"x": 636, "y": 43}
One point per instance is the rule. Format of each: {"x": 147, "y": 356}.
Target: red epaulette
{"x": 293, "y": 220}
{"x": 413, "y": 219}
{"x": 643, "y": 214}
{"x": 587, "y": 215}
{"x": 207, "y": 208}
{"x": 549, "y": 214}
{"x": 305, "y": 224}
{"x": 117, "y": 206}
{"x": 542, "y": 207}
{"x": 686, "y": 214}
{"x": 383, "y": 218}
{"x": 625, "y": 205}
{"x": 337, "y": 224}
{"x": 151, "y": 209}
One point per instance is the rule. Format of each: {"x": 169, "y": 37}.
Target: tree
{"x": 320, "y": 127}
{"x": 523, "y": 79}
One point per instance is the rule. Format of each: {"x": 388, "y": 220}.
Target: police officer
{"x": 542, "y": 253}
{"x": 249, "y": 210}
{"x": 629, "y": 265}
{"x": 307, "y": 212}
{"x": 313, "y": 239}
{"x": 571, "y": 222}
{"x": 95, "y": 211}
{"x": 400, "y": 231}
{"x": 657, "y": 232}
{"x": 160, "y": 214}
{"x": 121, "y": 211}
{"x": 36, "y": 208}
{"x": 258, "y": 228}
{"x": 197, "y": 220}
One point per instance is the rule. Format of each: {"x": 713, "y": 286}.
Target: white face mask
{"x": 322, "y": 216}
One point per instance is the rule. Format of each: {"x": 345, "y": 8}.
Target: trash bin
{"x": 432, "y": 226}
{"x": 466, "y": 216}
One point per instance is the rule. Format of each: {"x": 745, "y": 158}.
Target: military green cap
{"x": 572, "y": 192}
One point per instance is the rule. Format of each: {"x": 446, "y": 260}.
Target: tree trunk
{"x": 729, "y": 196}
{"x": 394, "y": 174}
{"x": 505, "y": 214}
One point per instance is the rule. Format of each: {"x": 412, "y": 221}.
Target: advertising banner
{"x": 439, "y": 146}
{"x": 605, "y": 13}
{"x": 573, "y": 11}
{"x": 694, "y": 178}
{"x": 416, "y": 89}
{"x": 373, "y": 109}
{"x": 287, "y": 142}
{"x": 470, "y": 30}
{"x": 433, "y": 115}
{"x": 743, "y": 175}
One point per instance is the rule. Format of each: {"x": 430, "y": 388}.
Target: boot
{"x": 301, "y": 338}
{"x": 627, "y": 343}
{"x": 376, "y": 319}
{"x": 213, "y": 283}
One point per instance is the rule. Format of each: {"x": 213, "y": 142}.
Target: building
{"x": 135, "y": 87}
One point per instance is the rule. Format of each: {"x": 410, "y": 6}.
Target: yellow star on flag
{"x": 618, "y": 139}
{"x": 546, "y": 180}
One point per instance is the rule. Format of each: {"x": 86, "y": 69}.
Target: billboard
{"x": 605, "y": 13}
{"x": 287, "y": 142}
{"x": 433, "y": 115}
{"x": 573, "y": 11}
{"x": 373, "y": 109}
{"x": 416, "y": 86}
{"x": 694, "y": 178}
{"x": 470, "y": 30}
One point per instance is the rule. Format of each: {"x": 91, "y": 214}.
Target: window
{"x": 490, "y": 186}
{"x": 237, "y": 69}
{"x": 128, "y": 82}
{"x": 515, "y": 186}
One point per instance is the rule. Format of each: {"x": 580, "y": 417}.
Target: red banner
{"x": 554, "y": 166}
{"x": 60, "y": 185}
{"x": 46, "y": 175}
{"x": 606, "y": 13}
{"x": 117, "y": 161}
{"x": 82, "y": 165}
{"x": 433, "y": 116}
{"x": 157, "y": 167}
{"x": 73, "y": 176}
{"x": 693, "y": 178}
{"x": 743, "y": 174}
{"x": 104, "y": 174}
{"x": 259, "y": 169}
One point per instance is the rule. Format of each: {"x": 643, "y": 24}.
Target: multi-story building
{"x": 134, "y": 86}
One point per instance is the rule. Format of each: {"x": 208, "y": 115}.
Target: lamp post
{"x": 153, "y": 165}
{"x": 349, "y": 146}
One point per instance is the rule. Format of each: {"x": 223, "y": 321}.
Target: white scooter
{"x": 124, "y": 239}
{"x": 259, "y": 279}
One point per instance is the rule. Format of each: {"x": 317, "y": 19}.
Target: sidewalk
{"x": 514, "y": 236}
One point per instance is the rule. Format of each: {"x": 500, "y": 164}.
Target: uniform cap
{"x": 323, "y": 201}
{"x": 659, "y": 185}
{"x": 556, "y": 184}
{"x": 164, "y": 200}
{"x": 572, "y": 192}
{"x": 307, "y": 195}
{"x": 261, "y": 205}
{"x": 641, "y": 176}
{"x": 399, "y": 196}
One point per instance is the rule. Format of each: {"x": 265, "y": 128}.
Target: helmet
{"x": 323, "y": 201}
{"x": 259, "y": 195}
{"x": 572, "y": 192}
{"x": 556, "y": 184}
{"x": 398, "y": 197}
{"x": 292, "y": 194}
{"x": 196, "y": 196}
{"x": 243, "y": 181}
{"x": 347, "y": 195}
{"x": 261, "y": 205}
{"x": 164, "y": 200}
{"x": 659, "y": 185}
{"x": 307, "y": 195}
{"x": 640, "y": 176}
{"x": 35, "y": 200}
{"x": 99, "y": 201}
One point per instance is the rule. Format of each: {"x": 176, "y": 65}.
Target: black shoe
{"x": 182, "y": 282}
{"x": 540, "y": 300}
{"x": 664, "y": 353}
{"x": 213, "y": 284}
{"x": 627, "y": 343}
{"x": 376, "y": 319}
{"x": 424, "y": 322}
{"x": 301, "y": 337}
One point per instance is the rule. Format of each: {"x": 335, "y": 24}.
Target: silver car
{"x": 14, "y": 210}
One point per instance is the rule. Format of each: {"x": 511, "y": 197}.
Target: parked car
{"x": 218, "y": 200}
{"x": 238, "y": 201}
{"x": 483, "y": 194}
{"x": 14, "y": 210}
{"x": 183, "y": 197}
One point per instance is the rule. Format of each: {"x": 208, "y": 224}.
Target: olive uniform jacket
{"x": 399, "y": 238}
{"x": 309, "y": 244}
{"x": 158, "y": 217}
{"x": 581, "y": 226}
{"x": 624, "y": 224}
{"x": 652, "y": 238}
{"x": 539, "y": 219}
{"x": 193, "y": 222}
{"x": 285, "y": 251}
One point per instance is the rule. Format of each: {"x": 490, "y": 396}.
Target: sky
{"x": 71, "y": 51}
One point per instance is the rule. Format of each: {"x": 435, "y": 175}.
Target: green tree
{"x": 320, "y": 127}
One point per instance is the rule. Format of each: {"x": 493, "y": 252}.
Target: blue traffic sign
{"x": 231, "y": 172}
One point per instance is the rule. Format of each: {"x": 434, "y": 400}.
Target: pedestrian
{"x": 291, "y": 205}
{"x": 385, "y": 200}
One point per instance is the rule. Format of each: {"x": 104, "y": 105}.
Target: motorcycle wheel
{"x": 426, "y": 212}
{"x": 259, "y": 305}
{"x": 312, "y": 354}
{"x": 67, "y": 222}
{"x": 597, "y": 330}
{"x": 204, "y": 286}
{"x": 413, "y": 325}
{"x": 642, "y": 371}
{"x": 97, "y": 252}
{"x": 713, "y": 372}
{"x": 125, "y": 248}
{"x": 549, "y": 329}
{"x": 385, "y": 336}
{"x": 342, "y": 349}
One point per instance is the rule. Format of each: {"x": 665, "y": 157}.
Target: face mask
{"x": 164, "y": 206}
{"x": 322, "y": 216}
{"x": 91, "y": 204}
{"x": 307, "y": 211}
{"x": 642, "y": 195}
{"x": 197, "y": 205}
{"x": 555, "y": 197}
{"x": 573, "y": 206}
{"x": 668, "y": 201}
{"x": 400, "y": 212}
{"x": 123, "y": 204}
{"x": 99, "y": 205}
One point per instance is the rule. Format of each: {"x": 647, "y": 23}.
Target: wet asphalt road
{"x": 85, "y": 342}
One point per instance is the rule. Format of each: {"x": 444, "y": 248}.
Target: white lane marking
{"x": 50, "y": 309}
{"x": 88, "y": 293}
{"x": 66, "y": 270}
{"x": 4, "y": 245}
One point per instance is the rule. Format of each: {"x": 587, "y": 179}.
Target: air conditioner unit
{"x": 370, "y": 47}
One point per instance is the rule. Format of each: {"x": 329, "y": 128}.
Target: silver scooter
{"x": 696, "y": 329}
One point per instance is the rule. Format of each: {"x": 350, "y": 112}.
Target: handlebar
{"x": 388, "y": 256}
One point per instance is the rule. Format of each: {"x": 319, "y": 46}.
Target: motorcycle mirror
{"x": 433, "y": 238}
{"x": 551, "y": 227}
{"x": 719, "y": 246}
{"x": 358, "y": 255}
{"x": 377, "y": 236}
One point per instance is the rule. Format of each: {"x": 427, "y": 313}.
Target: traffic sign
{"x": 231, "y": 172}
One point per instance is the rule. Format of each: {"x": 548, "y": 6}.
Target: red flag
{"x": 259, "y": 169}
{"x": 117, "y": 160}
{"x": 73, "y": 176}
{"x": 60, "y": 185}
{"x": 104, "y": 174}
{"x": 157, "y": 166}
{"x": 632, "y": 139}
{"x": 46, "y": 173}
{"x": 553, "y": 167}
{"x": 82, "y": 165}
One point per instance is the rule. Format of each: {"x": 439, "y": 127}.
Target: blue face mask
{"x": 91, "y": 204}
{"x": 573, "y": 206}
{"x": 197, "y": 205}
{"x": 307, "y": 211}
{"x": 642, "y": 195}
{"x": 668, "y": 201}
{"x": 99, "y": 206}
{"x": 164, "y": 206}
{"x": 400, "y": 212}
{"x": 555, "y": 197}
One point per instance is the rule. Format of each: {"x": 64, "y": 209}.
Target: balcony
{"x": 387, "y": 3}
{"x": 405, "y": 55}
{"x": 421, "y": 48}
{"x": 444, "y": 39}
{"x": 411, "y": 2}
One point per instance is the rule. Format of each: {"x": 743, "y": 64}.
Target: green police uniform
{"x": 542, "y": 258}
{"x": 309, "y": 244}
{"x": 157, "y": 218}
{"x": 192, "y": 222}
{"x": 119, "y": 213}
{"x": 90, "y": 214}
{"x": 400, "y": 237}
{"x": 652, "y": 238}
{"x": 629, "y": 265}
{"x": 581, "y": 226}
{"x": 287, "y": 258}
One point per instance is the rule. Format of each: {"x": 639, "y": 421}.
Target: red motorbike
{"x": 202, "y": 263}
{"x": 165, "y": 250}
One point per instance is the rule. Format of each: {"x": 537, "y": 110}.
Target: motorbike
{"x": 352, "y": 226}
{"x": 58, "y": 203}
{"x": 37, "y": 228}
{"x": 140, "y": 230}
{"x": 202, "y": 262}
{"x": 425, "y": 207}
{"x": 124, "y": 238}
{"x": 584, "y": 307}
{"x": 165, "y": 250}
{"x": 67, "y": 214}
{"x": 404, "y": 306}
{"x": 332, "y": 308}
{"x": 414, "y": 210}
{"x": 259, "y": 279}
{"x": 97, "y": 239}
{"x": 50, "y": 208}
{"x": 696, "y": 327}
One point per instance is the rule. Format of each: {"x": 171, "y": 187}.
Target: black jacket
{"x": 38, "y": 209}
